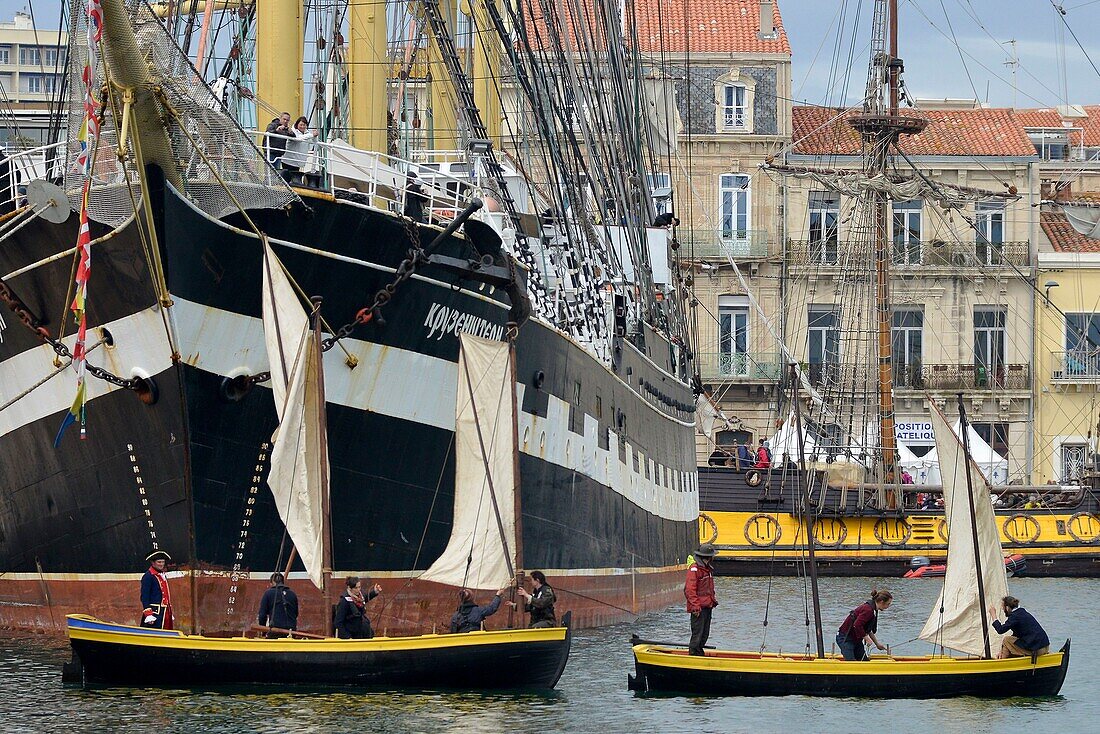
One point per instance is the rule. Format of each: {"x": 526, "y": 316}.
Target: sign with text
{"x": 915, "y": 434}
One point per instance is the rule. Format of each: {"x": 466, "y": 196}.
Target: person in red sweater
{"x": 699, "y": 591}
{"x": 861, "y": 624}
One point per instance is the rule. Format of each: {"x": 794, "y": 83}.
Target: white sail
{"x": 1084, "y": 219}
{"x": 296, "y": 477}
{"x": 477, "y": 556}
{"x": 663, "y": 122}
{"x": 959, "y": 627}
{"x": 708, "y": 416}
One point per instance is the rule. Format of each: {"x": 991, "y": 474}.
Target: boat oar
{"x": 635, "y": 640}
{"x": 288, "y": 633}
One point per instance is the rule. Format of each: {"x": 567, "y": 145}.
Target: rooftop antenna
{"x": 1012, "y": 64}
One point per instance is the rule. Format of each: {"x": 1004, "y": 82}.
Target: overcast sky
{"x": 821, "y": 33}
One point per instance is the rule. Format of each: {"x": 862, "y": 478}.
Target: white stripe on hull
{"x": 394, "y": 382}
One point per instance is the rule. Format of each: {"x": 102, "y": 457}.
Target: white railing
{"x": 381, "y": 180}
{"x": 45, "y": 161}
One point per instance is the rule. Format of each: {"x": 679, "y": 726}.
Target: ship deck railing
{"x": 377, "y": 179}
{"x": 44, "y": 161}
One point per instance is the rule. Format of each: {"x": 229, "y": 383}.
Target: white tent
{"x": 926, "y": 469}
{"x": 785, "y": 442}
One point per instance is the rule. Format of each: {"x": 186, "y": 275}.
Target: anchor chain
{"x": 417, "y": 256}
{"x": 32, "y": 322}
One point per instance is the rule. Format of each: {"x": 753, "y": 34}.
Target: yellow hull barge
{"x": 526, "y": 659}
{"x": 671, "y": 670}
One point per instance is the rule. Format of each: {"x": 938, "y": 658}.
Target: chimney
{"x": 767, "y": 27}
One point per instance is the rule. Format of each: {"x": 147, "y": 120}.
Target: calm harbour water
{"x": 592, "y": 695}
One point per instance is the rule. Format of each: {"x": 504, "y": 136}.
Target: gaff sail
{"x": 959, "y": 626}
{"x": 481, "y": 550}
{"x": 297, "y": 476}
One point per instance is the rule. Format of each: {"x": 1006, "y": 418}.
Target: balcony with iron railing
{"x": 717, "y": 244}
{"x": 915, "y": 376}
{"x": 931, "y": 254}
{"x": 1077, "y": 366}
{"x": 739, "y": 367}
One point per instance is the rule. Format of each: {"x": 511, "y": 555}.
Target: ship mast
{"x": 280, "y": 33}
{"x": 881, "y": 126}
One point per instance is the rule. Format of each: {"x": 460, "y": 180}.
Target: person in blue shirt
{"x": 469, "y": 616}
{"x": 1028, "y": 638}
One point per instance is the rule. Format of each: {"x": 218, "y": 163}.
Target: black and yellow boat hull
{"x": 720, "y": 673}
{"x": 115, "y": 654}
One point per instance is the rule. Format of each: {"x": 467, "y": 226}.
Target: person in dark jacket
{"x": 1028, "y": 638}
{"x": 469, "y": 616}
{"x": 745, "y": 457}
{"x": 351, "y": 621}
{"x": 701, "y": 601}
{"x": 861, "y": 624}
{"x": 278, "y": 130}
{"x": 540, "y": 604}
{"x": 156, "y": 597}
{"x": 415, "y": 199}
{"x": 278, "y": 607}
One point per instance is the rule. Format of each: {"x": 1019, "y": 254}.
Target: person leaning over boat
{"x": 701, "y": 601}
{"x": 279, "y": 607}
{"x": 861, "y": 624}
{"x": 351, "y": 621}
{"x": 469, "y": 616}
{"x": 156, "y": 598}
{"x": 540, "y": 605}
{"x": 1028, "y": 638}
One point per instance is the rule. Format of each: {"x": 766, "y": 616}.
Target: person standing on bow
{"x": 156, "y": 599}
{"x": 860, "y": 626}
{"x": 351, "y": 621}
{"x": 278, "y": 607}
{"x": 701, "y": 601}
{"x": 540, "y": 605}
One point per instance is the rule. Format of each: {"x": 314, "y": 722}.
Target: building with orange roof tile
{"x": 730, "y": 62}
{"x": 963, "y": 305}
{"x": 1067, "y": 349}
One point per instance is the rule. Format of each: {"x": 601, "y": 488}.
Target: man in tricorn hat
{"x": 156, "y": 599}
{"x": 699, "y": 590}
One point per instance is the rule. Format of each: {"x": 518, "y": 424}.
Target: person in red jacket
{"x": 699, "y": 591}
{"x": 763, "y": 456}
{"x": 861, "y": 624}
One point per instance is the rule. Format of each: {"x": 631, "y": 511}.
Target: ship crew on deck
{"x": 701, "y": 601}
{"x": 763, "y": 456}
{"x": 469, "y": 616}
{"x": 861, "y": 624}
{"x": 540, "y": 605}
{"x": 1028, "y": 638}
{"x": 278, "y": 607}
{"x": 156, "y": 599}
{"x": 278, "y": 130}
{"x": 351, "y": 621}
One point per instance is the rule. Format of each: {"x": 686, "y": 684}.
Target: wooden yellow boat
{"x": 672, "y": 670}
{"x": 106, "y": 653}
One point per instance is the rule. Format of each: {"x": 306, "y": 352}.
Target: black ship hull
{"x": 608, "y": 490}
